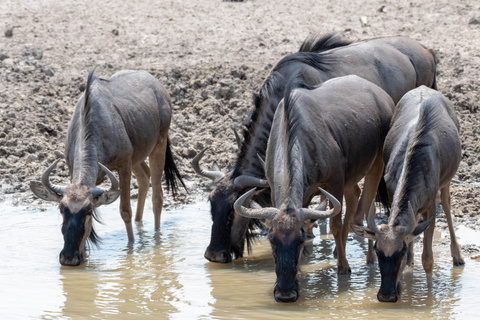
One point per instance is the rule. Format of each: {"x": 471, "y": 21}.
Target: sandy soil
{"x": 211, "y": 56}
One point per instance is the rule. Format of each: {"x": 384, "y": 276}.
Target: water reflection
{"x": 164, "y": 275}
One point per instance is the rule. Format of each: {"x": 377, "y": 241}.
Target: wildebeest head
{"x": 391, "y": 246}
{"x": 77, "y": 206}
{"x": 225, "y": 242}
{"x": 287, "y": 238}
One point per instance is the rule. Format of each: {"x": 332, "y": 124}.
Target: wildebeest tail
{"x": 382, "y": 195}
{"x": 324, "y": 42}
{"x": 172, "y": 175}
{"x": 434, "y": 84}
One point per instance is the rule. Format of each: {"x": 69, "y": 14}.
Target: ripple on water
{"x": 164, "y": 275}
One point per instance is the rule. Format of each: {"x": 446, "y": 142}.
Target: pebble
{"x": 474, "y": 20}
{"x": 9, "y": 31}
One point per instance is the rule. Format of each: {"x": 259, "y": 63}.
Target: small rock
{"x": 49, "y": 73}
{"x": 474, "y": 20}
{"x": 115, "y": 32}
{"x": 3, "y": 56}
{"x": 9, "y": 31}
{"x": 364, "y": 21}
{"x": 31, "y": 158}
{"x": 37, "y": 53}
{"x": 58, "y": 154}
{"x": 8, "y": 62}
{"x": 382, "y": 9}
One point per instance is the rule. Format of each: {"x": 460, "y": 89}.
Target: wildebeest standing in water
{"x": 422, "y": 153}
{"x": 117, "y": 124}
{"x": 329, "y": 136}
{"x": 396, "y": 64}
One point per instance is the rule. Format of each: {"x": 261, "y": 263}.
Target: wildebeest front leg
{"x": 454, "y": 246}
{"x": 410, "y": 255}
{"x": 125, "y": 174}
{"x": 142, "y": 173}
{"x": 157, "y": 164}
{"x": 351, "y": 201}
{"x": 427, "y": 255}
{"x": 336, "y": 229}
{"x": 370, "y": 186}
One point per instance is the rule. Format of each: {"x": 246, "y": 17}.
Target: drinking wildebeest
{"x": 396, "y": 64}
{"x": 117, "y": 124}
{"x": 329, "y": 136}
{"x": 422, "y": 153}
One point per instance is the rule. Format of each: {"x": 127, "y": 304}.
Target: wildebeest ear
{"x": 422, "y": 226}
{"x": 107, "y": 197}
{"x": 43, "y": 193}
{"x": 363, "y": 231}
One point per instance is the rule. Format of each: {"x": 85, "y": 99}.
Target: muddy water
{"x": 163, "y": 275}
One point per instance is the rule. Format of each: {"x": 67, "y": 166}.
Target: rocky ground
{"x": 211, "y": 56}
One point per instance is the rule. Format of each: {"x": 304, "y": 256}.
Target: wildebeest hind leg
{"x": 157, "y": 164}
{"x": 427, "y": 255}
{"x": 142, "y": 173}
{"x": 125, "y": 174}
{"x": 454, "y": 246}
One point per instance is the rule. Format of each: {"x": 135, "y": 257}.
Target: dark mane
{"x": 291, "y": 120}
{"x": 89, "y": 154}
{"x": 271, "y": 86}
{"x": 86, "y": 117}
{"x": 319, "y": 43}
{"x": 319, "y": 61}
{"x": 418, "y": 151}
{"x": 94, "y": 239}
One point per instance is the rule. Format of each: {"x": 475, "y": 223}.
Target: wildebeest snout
{"x": 387, "y": 297}
{"x": 290, "y": 295}
{"x": 70, "y": 259}
{"x": 221, "y": 256}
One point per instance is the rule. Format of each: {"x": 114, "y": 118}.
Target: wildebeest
{"x": 422, "y": 153}
{"x": 329, "y": 136}
{"x": 396, "y": 64}
{"x": 116, "y": 125}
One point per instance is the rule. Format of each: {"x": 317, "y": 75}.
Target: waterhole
{"x": 164, "y": 275}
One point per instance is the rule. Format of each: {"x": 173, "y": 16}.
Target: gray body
{"x": 117, "y": 124}
{"x": 396, "y": 64}
{"x": 330, "y": 136}
{"x": 123, "y": 104}
{"x": 422, "y": 153}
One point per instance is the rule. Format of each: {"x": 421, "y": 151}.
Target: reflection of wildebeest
{"x": 118, "y": 122}
{"x": 422, "y": 152}
{"x": 396, "y": 64}
{"x": 330, "y": 136}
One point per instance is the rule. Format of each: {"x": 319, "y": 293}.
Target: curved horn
{"x": 245, "y": 181}
{"x": 214, "y": 175}
{"x": 96, "y": 192}
{"x": 318, "y": 214}
{"x": 371, "y": 224}
{"x": 113, "y": 180}
{"x": 264, "y": 213}
{"x": 46, "y": 180}
{"x": 412, "y": 220}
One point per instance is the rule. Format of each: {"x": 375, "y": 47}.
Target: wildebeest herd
{"x": 355, "y": 121}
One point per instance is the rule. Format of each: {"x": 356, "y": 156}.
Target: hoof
{"x": 342, "y": 271}
{"x": 458, "y": 262}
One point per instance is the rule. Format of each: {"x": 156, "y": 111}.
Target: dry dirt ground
{"x": 211, "y": 56}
